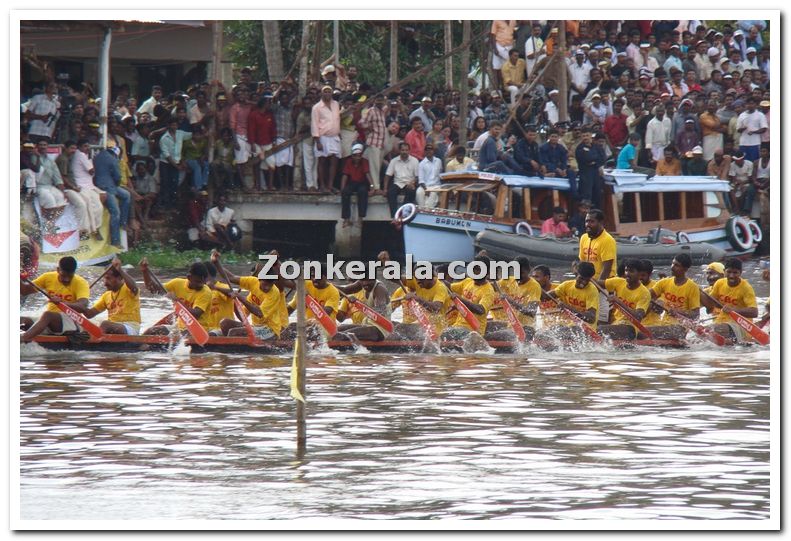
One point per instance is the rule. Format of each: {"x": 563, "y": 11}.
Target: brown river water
{"x": 594, "y": 434}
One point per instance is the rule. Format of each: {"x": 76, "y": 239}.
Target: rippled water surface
{"x": 675, "y": 434}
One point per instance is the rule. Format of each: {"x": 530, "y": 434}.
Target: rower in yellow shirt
{"x": 432, "y": 296}
{"x": 654, "y": 315}
{"x": 324, "y": 292}
{"x": 478, "y": 296}
{"x": 714, "y": 271}
{"x": 581, "y": 297}
{"x": 737, "y": 295}
{"x": 221, "y": 303}
{"x": 267, "y": 321}
{"x": 523, "y": 294}
{"x": 547, "y": 307}
{"x": 373, "y": 294}
{"x": 598, "y": 247}
{"x": 61, "y": 284}
{"x": 121, "y": 301}
{"x": 678, "y": 293}
{"x": 192, "y": 291}
{"x": 633, "y": 294}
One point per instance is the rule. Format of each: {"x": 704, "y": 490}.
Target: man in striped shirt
{"x": 374, "y": 123}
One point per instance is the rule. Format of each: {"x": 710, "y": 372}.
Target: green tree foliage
{"x": 365, "y": 44}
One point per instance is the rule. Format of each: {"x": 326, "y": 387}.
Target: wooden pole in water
{"x": 301, "y": 330}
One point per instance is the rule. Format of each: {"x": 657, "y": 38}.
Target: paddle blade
{"x": 375, "y": 316}
{"x": 751, "y": 328}
{"x": 91, "y": 328}
{"x": 513, "y": 320}
{"x": 195, "y": 329}
{"x": 167, "y": 320}
{"x": 246, "y": 322}
{"x": 423, "y": 319}
{"x": 468, "y": 316}
{"x": 321, "y": 316}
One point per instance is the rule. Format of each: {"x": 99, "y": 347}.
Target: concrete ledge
{"x": 296, "y": 206}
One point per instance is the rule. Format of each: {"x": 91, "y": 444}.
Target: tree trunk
{"x": 273, "y": 50}
{"x": 563, "y": 76}
{"x": 449, "y": 60}
{"x": 315, "y": 69}
{"x": 393, "y": 52}
{"x": 465, "y": 70}
{"x": 216, "y": 59}
{"x": 302, "y": 80}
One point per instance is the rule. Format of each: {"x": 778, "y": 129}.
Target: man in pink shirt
{"x": 325, "y": 127}
{"x": 416, "y": 138}
{"x": 556, "y": 226}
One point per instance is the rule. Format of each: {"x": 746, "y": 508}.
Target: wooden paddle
{"x": 625, "y": 311}
{"x": 369, "y": 312}
{"x": 751, "y": 328}
{"x": 763, "y": 323}
{"x": 694, "y": 326}
{"x": 239, "y": 309}
{"x": 321, "y": 316}
{"x": 193, "y": 326}
{"x": 100, "y": 276}
{"x": 421, "y": 316}
{"x": 590, "y": 331}
{"x": 80, "y": 320}
{"x": 465, "y": 312}
{"x": 519, "y": 331}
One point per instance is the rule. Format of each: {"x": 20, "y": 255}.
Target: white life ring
{"x": 755, "y": 229}
{"x": 523, "y": 228}
{"x": 406, "y": 213}
{"x": 635, "y": 239}
{"x": 682, "y": 237}
{"x": 738, "y": 232}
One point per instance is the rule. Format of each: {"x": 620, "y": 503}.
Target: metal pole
{"x": 104, "y": 82}
{"x": 301, "y": 344}
{"x": 464, "y": 90}
{"x": 563, "y": 83}
{"x": 336, "y": 40}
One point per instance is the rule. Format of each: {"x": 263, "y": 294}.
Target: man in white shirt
{"x": 148, "y": 105}
{"x": 579, "y": 73}
{"x": 82, "y": 169}
{"x": 750, "y": 125}
{"x": 551, "y": 108}
{"x": 218, "y": 219}
{"x": 534, "y": 49}
{"x": 428, "y": 175}
{"x": 657, "y": 133}
{"x": 740, "y": 176}
{"x": 401, "y": 178}
{"x": 42, "y": 112}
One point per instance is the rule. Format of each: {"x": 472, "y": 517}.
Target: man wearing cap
{"x": 501, "y": 40}
{"x": 740, "y": 177}
{"x": 428, "y": 176}
{"x": 496, "y": 110}
{"x": 646, "y": 60}
{"x": 710, "y": 63}
{"x": 673, "y": 59}
{"x": 355, "y": 179}
{"x": 750, "y": 125}
{"x": 693, "y": 164}
{"x": 514, "y": 74}
{"x": 108, "y": 178}
{"x": 551, "y": 108}
{"x": 685, "y": 112}
{"x": 424, "y": 113}
{"x": 261, "y": 133}
{"x": 579, "y": 73}
{"x": 687, "y": 138}
{"x": 325, "y": 127}
{"x": 657, "y": 133}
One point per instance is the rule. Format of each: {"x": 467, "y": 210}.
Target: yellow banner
{"x": 87, "y": 252}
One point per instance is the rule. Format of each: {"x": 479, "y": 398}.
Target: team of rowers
{"x": 505, "y": 309}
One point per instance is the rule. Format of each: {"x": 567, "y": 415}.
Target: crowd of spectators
{"x": 661, "y": 97}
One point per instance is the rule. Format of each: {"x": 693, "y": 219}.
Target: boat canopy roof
{"x": 512, "y": 181}
{"x": 626, "y": 180}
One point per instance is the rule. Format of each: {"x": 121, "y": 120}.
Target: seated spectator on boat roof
{"x": 459, "y": 161}
{"x": 556, "y": 226}
{"x": 670, "y": 165}
{"x": 491, "y": 159}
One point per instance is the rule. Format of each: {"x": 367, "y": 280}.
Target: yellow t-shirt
{"x": 741, "y": 296}
{"x": 327, "y": 297}
{"x": 271, "y": 307}
{"x": 524, "y": 294}
{"x": 685, "y": 297}
{"x": 651, "y": 318}
{"x": 548, "y": 320}
{"x": 256, "y": 296}
{"x": 599, "y": 250}
{"x": 122, "y": 307}
{"x": 637, "y": 299}
{"x": 580, "y": 299}
{"x": 221, "y": 307}
{"x": 356, "y": 315}
{"x": 192, "y": 298}
{"x": 77, "y": 289}
{"x": 483, "y": 295}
